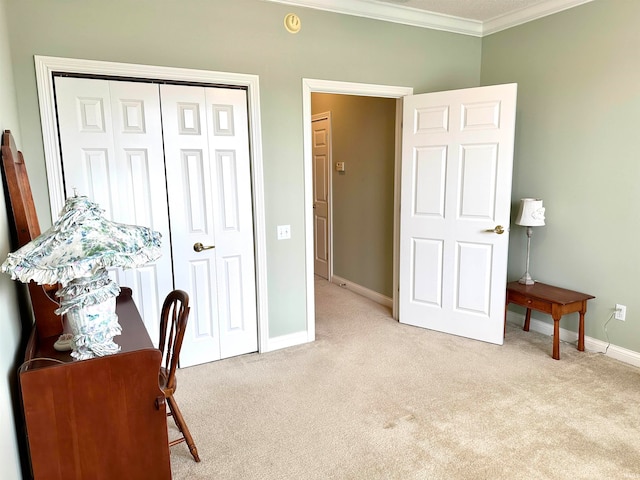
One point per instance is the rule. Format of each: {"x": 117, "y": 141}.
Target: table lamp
{"x": 75, "y": 253}
{"x": 531, "y": 214}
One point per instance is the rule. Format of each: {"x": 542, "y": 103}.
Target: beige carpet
{"x": 374, "y": 399}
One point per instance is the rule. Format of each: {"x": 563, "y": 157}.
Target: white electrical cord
{"x": 607, "y": 333}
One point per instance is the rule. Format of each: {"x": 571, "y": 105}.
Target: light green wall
{"x": 10, "y": 328}
{"x": 244, "y": 36}
{"x": 363, "y": 136}
{"x": 578, "y": 74}
{"x": 577, "y": 143}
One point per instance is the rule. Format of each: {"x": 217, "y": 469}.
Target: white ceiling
{"x": 469, "y": 17}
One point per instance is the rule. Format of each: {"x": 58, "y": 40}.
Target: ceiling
{"x": 469, "y": 17}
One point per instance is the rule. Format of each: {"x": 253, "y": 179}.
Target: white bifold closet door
{"x": 209, "y": 183}
{"x": 175, "y": 159}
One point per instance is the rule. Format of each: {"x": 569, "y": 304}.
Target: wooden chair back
{"x": 173, "y": 323}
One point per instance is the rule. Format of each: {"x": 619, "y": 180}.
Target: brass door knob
{"x": 198, "y": 247}
{"x": 499, "y": 229}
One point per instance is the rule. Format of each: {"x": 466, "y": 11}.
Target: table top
{"x": 134, "y": 335}
{"x": 548, "y": 293}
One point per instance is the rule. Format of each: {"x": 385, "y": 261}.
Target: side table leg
{"x": 581, "y": 327}
{"x": 527, "y": 320}
{"x": 556, "y": 338}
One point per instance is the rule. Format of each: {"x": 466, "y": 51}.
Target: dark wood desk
{"x": 552, "y": 300}
{"x": 102, "y": 418}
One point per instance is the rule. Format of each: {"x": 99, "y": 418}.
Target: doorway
{"x": 480, "y": 181}
{"x": 360, "y": 177}
{"x": 324, "y": 86}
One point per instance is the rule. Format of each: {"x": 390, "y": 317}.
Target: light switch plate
{"x": 284, "y": 232}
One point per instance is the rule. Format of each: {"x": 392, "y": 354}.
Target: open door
{"x": 457, "y": 161}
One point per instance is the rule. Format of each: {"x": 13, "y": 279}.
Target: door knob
{"x": 198, "y": 247}
{"x": 499, "y": 230}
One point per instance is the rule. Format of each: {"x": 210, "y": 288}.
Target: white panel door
{"x": 457, "y": 159}
{"x": 209, "y": 185}
{"x": 321, "y": 144}
{"x": 111, "y": 137}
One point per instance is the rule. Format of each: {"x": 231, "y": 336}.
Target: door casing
{"x": 45, "y": 68}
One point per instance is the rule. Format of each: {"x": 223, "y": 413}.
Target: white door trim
{"x": 310, "y": 85}
{"x": 46, "y": 66}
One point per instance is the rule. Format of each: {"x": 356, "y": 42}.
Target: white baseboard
{"x": 285, "y": 341}
{"x": 591, "y": 344}
{"x": 298, "y": 338}
{"x": 364, "y": 291}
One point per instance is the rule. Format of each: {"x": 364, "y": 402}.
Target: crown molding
{"x": 392, "y": 13}
{"x": 528, "y": 14}
{"x": 420, "y": 18}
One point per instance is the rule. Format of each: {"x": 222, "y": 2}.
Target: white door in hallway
{"x": 209, "y": 186}
{"x": 111, "y": 140}
{"x": 457, "y": 158}
{"x": 321, "y": 138}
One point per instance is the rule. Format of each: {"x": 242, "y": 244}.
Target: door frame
{"x": 45, "y": 68}
{"x": 309, "y": 86}
{"x": 327, "y": 116}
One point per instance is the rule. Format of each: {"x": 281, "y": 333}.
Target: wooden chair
{"x": 173, "y": 323}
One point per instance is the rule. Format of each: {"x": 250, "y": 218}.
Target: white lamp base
{"x": 526, "y": 279}
{"x": 93, "y": 329}
{"x": 89, "y": 304}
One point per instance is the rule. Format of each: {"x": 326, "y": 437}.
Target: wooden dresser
{"x": 99, "y": 419}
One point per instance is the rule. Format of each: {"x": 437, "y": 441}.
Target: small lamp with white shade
{"x": 531, "y": 214}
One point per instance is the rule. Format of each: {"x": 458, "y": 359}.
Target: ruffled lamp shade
{"x": 75, "y": 252}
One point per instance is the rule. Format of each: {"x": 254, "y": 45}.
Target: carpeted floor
{"x": 374, "y": 399}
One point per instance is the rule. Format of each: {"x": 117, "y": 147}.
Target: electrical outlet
{"x": 621, "y": 312}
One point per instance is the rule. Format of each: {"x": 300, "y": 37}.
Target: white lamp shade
{"x": 531, "y": 213}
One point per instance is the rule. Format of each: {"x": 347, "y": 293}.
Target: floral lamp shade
{"x": 75, "y": 252}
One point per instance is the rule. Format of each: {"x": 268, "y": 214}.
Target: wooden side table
{"x": 552, "y": 300}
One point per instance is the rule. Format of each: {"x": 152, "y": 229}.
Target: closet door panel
{"x": 192, "y": 195}
{"x": 228, "y": 129}
{"x": 112, "y": 152}
{"x": 209, "y": 183}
